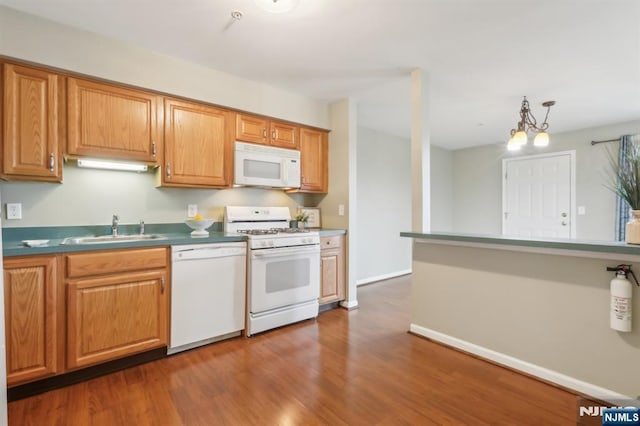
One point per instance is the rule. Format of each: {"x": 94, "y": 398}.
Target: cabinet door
{"x": 30, "y": 305}
{"x": 112, "y": 122}
{"x": 314, "y": 161}
{"x": 332, "y": 275}
{"x": 115, "y": 316}
{"x": 252, "y": 129}
{"x": 198, "y": 145}
{"x": 284, "y": 135}
{"x": 33, "y": 123}
{"x": 332, "y": 285}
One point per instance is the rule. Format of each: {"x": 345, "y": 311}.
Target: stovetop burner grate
{"x": 258, "y": 231}
{"x": 291, "y": 230}
{"x": 273, "y": 231}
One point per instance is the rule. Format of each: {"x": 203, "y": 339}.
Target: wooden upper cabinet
{"x": 30, "y": 300}
{"x": 314, "y": 160}
{"x": 284, "y": 135}
{"x": 109, "y": 121}
{"x": 34, "y": 123}
{"x": 198, "y": 150}
{"x": 254, "y": 129}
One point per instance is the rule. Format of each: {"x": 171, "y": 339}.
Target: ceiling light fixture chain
{"x": 528, "y": 123}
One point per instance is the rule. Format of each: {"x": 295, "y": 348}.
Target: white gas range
{"x": 283, "y": 271}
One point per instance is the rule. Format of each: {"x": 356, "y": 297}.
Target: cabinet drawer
{"x": 331, "y": 242}
{"x": 113, "y": 261}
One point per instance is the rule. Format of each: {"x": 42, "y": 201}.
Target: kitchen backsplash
{"x": 91, "y": 197}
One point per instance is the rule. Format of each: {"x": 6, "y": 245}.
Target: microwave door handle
{"x": 285, "y": 171}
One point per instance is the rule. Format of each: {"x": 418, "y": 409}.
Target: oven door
{"x": 281, "y": 277}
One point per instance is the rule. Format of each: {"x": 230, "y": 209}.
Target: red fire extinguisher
{"x": 621, "y": 298}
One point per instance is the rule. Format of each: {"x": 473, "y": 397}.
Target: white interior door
{"x": 539, "y": 195}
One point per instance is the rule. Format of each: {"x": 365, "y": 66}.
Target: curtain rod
{"x": 608, "y": 140}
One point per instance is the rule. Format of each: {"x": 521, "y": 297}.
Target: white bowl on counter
{"x": 199, "y": 227}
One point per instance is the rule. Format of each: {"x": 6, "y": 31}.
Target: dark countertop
{"x": 171, "y": 234}
{"x": 593, "y": 246}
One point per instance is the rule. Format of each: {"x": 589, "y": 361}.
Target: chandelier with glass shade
{"x": 528, "y": 124}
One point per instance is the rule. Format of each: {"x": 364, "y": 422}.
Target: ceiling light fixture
{"x": 112, "y": 165}
{"x": 277, "y": 6}
{"x": 528, "y": 123}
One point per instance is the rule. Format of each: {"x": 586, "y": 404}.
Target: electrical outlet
{"x": 14, "y": 211}
{"x": 340, "y": 209}
{"x": 192, "y": 210}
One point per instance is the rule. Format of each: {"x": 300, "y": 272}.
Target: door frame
{"x": 572, "y": 186}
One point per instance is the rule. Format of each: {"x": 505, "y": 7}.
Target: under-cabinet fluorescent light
{"x": 112, "y": 165}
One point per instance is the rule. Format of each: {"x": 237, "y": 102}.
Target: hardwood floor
{"x": 357, "y": 367}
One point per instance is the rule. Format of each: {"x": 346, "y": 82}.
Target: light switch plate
{"x": 340, "y": 209}
{"x": 14, "y": 210}
{"x": 582, "y": 210}
{"x": 192, "y": 210}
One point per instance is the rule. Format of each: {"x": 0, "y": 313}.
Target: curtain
{"x": 627, "y": 143}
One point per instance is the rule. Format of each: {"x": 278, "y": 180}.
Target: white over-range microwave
{"x": 267, "y": 166}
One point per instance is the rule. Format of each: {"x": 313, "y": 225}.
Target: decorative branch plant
{"x": 625, "y": 179}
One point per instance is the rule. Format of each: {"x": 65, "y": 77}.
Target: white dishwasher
{"x": 208, "y": 287}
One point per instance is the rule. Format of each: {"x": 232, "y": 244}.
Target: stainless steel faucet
{"x": 141, "y": 227}
{"x": 114, "y": 225}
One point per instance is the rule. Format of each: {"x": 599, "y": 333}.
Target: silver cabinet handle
{"x": 153, "y": 149}
{"x": 162, "y": 285}
{"x": 264, "y": 133}
{"x": 168, "y": 170}
{"x": 274, "y": 134}
{"x": 52, "y": 162}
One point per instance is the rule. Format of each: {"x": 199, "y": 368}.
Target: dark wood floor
{"x": 356, "y": 368}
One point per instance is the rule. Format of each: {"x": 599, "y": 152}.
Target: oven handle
{"x": 279, "y": 252}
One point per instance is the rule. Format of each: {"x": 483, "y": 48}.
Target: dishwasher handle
{"x": 208, "y": 253}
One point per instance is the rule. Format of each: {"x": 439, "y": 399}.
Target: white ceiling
{"x": 482, "y": 56}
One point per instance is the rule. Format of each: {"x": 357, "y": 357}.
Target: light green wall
{"x": 548, "y": 310}
{"x": 477, "y": 184}
{"x": 91, "y": 197}
{"x": 384, "y": 205}
{"x": 441, "y": 181}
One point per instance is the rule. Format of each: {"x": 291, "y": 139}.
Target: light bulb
{"x": 542, "y": 139}
{"x": 520, "y": 137}
{"x": 513, "y": 145}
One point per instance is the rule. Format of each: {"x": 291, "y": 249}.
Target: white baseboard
{"x": 349, "y": 304}
{"x": 383, "y": 277}
{"x": 520, "y": 365}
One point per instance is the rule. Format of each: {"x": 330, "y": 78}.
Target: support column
{"x": 342, "y": 186}
{"x": 420, "y": 156}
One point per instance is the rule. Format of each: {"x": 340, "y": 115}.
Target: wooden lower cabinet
{"x": 117, "y": 304}
{"x": 31, "y": 326}
{"x": 111, "y": 317}
{"x": 332, "y": 270}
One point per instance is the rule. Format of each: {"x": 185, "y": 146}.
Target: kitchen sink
{"x": 106, "y": 239}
